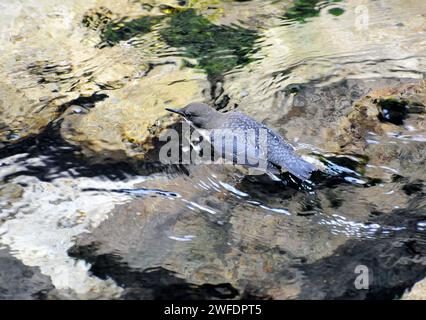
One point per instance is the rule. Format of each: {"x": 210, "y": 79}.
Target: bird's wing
{"x": 236, "y": 141}
{"x": 239, "y": 147}
{"x": 282, "y": 154}
{"x": 261, "y": 146}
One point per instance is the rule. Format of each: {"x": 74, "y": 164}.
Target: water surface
{"x": 88, "y": 211}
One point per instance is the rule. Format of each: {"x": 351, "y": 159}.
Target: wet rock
{"x": 34, "y": 86}
{"x": 125, "y": 124}
{"x": 417, "y": 292}
{"x": 9, "y": 193}
{"x": 383, "y": 136}
{"x": 97, "y": 18}
{"x": 394, "y": 261}
{"x": 396, "y": 111}
{"x": 255, "y": 14}
{"x": 206, "y": 239}
{"x": 21, "y": 282}
{"x": 207, "y": 233}
{"x": 391, "y": 105}
{"x": 152, "y": 283}
{"x": 288, "y": 56}
{"x": 69, "y": 277}
{"x": 38, "y": 91}
{"x": 23, "y": 115}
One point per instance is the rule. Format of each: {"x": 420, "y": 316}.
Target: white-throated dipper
{"x": 279, "y": 154}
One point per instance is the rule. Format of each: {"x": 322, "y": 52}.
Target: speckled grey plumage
{"x": 280, "y": 154}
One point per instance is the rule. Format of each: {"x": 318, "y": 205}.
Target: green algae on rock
{"x": 303, "y": 9}
{"x": 336, "y": 11}
{"x": 123, "y": 30}
{"x": 218, "y": 49}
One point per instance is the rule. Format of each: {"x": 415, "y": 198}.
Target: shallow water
{"x": 88, "y": 211}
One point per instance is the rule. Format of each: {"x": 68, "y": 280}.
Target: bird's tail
{"x": 300, "y": 168}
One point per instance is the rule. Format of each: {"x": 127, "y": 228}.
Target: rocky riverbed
{"x": 88, "y": 212}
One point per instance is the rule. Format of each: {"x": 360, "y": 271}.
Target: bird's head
{"x": 199, "y": 114}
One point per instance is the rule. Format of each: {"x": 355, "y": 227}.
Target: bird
{"x": 279, "y": 155}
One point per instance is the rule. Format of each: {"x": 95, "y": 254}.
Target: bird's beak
{"x": 178, "y": 111}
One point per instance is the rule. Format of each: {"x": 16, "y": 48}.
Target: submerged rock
{"x": 125, "y": 124}
{"x": 21, "y": 282}
{"x": 385, "y": 141}
{"x": 103, "y": 97}
{"x": 381, "y": 111}
{"x": 417, "y": 292}
{"x": 391, "y": 262}
{"x": 205, "y": 237}
{"x": 9, "y": 193}
{"x": 98, "y": 75}
{"x": 40, "y": 66}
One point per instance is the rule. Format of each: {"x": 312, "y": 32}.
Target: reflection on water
{"x": 86, "y": 206}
